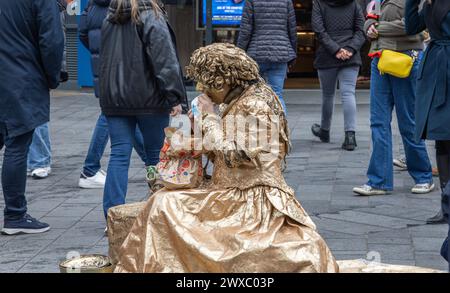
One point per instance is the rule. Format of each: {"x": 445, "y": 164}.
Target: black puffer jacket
{"x": 139, "y": 68}
{"x": 90, "y": 28}
{"x": 338, "y": 24}
{"x": 269, "y": 30}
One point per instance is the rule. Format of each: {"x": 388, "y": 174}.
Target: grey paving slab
{"x": 322, "y": 175}
{"x": 390, "y": 251}
{"x": 346, "y": 227}
{"x": 371, "y": 219}
{"x": 434, "y": 260}
{"x": 432, "y": 231}
{"x": 347, "y": 244}
{"x": 427, "y": 244}
{"x": 61, "y": 222}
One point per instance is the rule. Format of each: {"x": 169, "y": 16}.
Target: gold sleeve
{"x": 243, "y": 138}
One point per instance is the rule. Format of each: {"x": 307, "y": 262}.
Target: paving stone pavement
{"x": 388, "y": 228}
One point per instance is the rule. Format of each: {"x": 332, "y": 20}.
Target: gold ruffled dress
{"x": 247, "y": 220}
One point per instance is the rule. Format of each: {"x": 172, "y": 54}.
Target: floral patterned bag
{"x": 178, "y": 169}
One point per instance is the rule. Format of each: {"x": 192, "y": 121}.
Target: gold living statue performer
{"x": 247, "y": 219}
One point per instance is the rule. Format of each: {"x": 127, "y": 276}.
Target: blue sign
{"x": 85, "y": 77}
{"x": 225, "y": 12}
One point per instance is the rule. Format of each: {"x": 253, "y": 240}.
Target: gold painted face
{"x": 217, "y": 96}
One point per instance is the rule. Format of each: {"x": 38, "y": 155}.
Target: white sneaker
{"x": 95, "y": 182}
{"x": 423, "y": 188}
{"x": 368, "y": 190}
{"x": 41, "y": 173}
{"x": 401, "y": 164}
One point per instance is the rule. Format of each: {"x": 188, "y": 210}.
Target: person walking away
{"x": 269, "y": 35}
{"x": 32, "y": 60}
{"x": 89, "y": 29}
{"x": 141, "y": 83}
{"x": 388, "y": 33}
{"x": 339, "y": 26}
{"x": 433, "y": 93}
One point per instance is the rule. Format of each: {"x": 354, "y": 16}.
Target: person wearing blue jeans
{"x": 91, "y": 21}
{"x": 386, "y": 31}
{"x": 275, "y": 74}
{"x": 92, "y": 176}
{"x": 122, "y": 129}
{"x": 40, "y": 154}
{"x": 141, "y": 85}
{"x": 268, "y": 33}
{"x": 386, "y": 93}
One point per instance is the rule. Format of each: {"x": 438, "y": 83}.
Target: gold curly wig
{"x": 218, "y": 64}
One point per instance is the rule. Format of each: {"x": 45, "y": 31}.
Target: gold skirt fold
{"x": 261, "y": 229}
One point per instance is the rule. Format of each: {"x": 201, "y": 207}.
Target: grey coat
{"x": 269, "y": 31}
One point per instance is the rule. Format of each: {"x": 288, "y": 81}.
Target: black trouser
{"x": 443, "y": 163}
{"x": 14, "y": 172}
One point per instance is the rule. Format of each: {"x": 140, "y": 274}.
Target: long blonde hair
{"x": 135, "y": 8}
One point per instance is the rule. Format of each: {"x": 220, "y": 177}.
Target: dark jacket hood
{"x": 103, "y": 3}
{"x": 124, "y": 15}
{"x": 336, "y": 3}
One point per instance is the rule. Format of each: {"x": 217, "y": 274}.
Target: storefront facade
{"x": 186, "y": 18}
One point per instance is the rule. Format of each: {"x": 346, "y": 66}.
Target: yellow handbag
{"x": 396, "y": 64}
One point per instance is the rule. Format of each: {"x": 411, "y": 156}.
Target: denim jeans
{"x": 122, "y": 130}
{"x": 385, "y": 93}
{"x": 14, "y": 172}
{"x": 347, "y": 77}
{"x": 98, "y": 144}
{"x": 40, "y": 154}
{"x": 275, "y": 75}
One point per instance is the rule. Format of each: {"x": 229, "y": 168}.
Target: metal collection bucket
{"x": 93, "y": 263}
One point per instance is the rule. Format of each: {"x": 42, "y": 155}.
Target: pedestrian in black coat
{"x": 90, "y": 31}
{"x": 31, "y": 51}
{"x": 339, "y": 27}
{"x": 141, "y": 84}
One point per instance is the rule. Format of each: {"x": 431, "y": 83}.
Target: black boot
{"x": 323, "y": 134}
{"x": 350, "y": 141}
{"x": 443, "y": 164}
